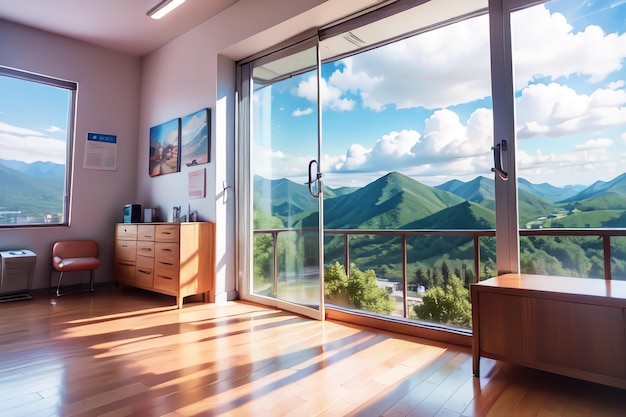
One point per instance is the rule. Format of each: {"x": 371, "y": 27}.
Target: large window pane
{"x": 407, "y": 133}
{"x": 568, "y": 60}
{"x": 35, "y": 138}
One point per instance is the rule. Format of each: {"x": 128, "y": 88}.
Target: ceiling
{"x": 121, "y": 25}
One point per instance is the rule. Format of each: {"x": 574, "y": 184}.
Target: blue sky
{"x": 33, "y": 121}
{"x": 422, "y": 106}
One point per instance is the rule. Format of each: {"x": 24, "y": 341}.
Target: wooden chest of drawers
{"x": 176, "y": 259}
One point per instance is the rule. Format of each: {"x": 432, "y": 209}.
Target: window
{"x": 570, "y": 124}
{"x": 412, "y": 123}
{"x": 36, "y": 131}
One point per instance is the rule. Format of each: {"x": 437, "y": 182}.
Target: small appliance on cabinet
{"x": 132, "y": 213}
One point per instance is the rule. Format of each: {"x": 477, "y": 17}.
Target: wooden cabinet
{"x": 571, "y": 326}
{"x": 177, "y": 259}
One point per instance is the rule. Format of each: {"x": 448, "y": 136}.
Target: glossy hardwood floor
{"x": 132, "y": 353}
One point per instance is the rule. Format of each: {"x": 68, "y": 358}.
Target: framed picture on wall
{"x": 195, "y": 140}
{"x": 164, "y": 148}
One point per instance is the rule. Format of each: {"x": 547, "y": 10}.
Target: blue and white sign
{"x": 101, "y": 152}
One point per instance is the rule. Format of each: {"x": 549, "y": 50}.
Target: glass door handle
{"x": 312, "y": 181}
{"x": 497, "y": 160}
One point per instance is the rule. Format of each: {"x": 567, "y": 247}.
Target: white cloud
{"x": 436, "y": 69}
{"x": 54, "y": 129}
{"x": 552, "y": 49}
{"x": 17, "y": 131}
{"x": 446, "y": 145}
{"x": 297, "y": 112}
{"x": 277, "y": 164}
{"x": 558, "y": 110}
{"x": 450, "y": 65}
{"x": 595, "y": 144}
{"x": 27, "y": 145}
{"x": 330, "y": 95}
{"x": 584, "y": 166}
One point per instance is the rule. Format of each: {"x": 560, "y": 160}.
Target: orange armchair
{"x": 75, "y": 255}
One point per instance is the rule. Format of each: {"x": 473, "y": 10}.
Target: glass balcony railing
{"x": 425, "y": 275}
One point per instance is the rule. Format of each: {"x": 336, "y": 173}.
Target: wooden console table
{"x": 569, "y": 326}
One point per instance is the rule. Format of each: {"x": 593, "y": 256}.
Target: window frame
{"x": 72, "y": 88}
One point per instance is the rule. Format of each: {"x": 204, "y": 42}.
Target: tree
{"x": 448, "y": 305}
{"x": 445, "y": 272}
{"x": 335, "y": 280}
{"x": 420, "y": 279}
{"x": 358, "y": 290}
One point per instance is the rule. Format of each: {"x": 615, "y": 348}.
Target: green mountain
{"x": 482, "y": 190}
{"x": 548, "y": 191}
{"x": 477, "y": 190}
{"x": 36, "y": 169}
{"x": 291, "y": 201}
{"x": 387, "y": 203}
{"x": 337, "y": 192}
{"x": 466, "y": 215}
{"x": 531, "y": 206}
{"x": 32, "y": 196}
{"x": 288, "y": 199}
{"x": 615, "y": 187}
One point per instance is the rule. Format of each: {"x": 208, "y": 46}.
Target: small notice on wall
{"x": 197, "y": 183}
{"x": 101, "y": 152}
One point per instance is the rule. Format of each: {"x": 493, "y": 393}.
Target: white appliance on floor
{"x": 16, "y": 274}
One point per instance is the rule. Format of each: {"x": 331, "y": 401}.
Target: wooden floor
{"x": 131, "y": 353}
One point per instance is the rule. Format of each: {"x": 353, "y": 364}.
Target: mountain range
{"x": 34, "y": 189}
{"x": 395, "y": 201}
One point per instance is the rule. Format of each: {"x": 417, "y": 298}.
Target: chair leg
{"x": 91, "y": 279}
{"x": 59, "y": 284}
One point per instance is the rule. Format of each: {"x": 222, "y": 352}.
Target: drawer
{"x": 126, "y": 231}
{"x": 145, "y": 248}
{"x": 167, "y": 252}
{"x": 165, "y": 278}
{"x": 125, "y": 251}
{"x": 145, "y": 232}
{"x": 145, "y": 271}
{"x": 167, "y": 232}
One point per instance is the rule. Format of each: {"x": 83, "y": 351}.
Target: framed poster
{"x": 195, "y": 140}
{"x": 196, "y": 187}
{"x": 164, "y": 146}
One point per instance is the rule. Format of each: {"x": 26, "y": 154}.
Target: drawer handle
{"x": 146, "y": 249}
{"x": 166, "y": 250}
{"x": 164, "y": 277}
{"x": 124, "y": 246}
{"x": 127, "y": 263}
{"x": 166, "y": 263}
{"x": 167, "y": 233}
{"x": 143, "y": 271}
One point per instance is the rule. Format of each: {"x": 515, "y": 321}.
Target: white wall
{"x": 197, "y": 70}
{"x": 189, "y": 74}
{"x": 108, "y": 102}
{"x": 124, "y": 95}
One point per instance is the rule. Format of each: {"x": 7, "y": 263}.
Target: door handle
{"x": 497, "y": 160}
{"x": 318, "y": 176}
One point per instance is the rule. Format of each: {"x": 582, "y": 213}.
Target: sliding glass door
{"x": 284, "y": 180}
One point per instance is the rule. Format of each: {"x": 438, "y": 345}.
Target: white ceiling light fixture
{"x": 163, "y": 8}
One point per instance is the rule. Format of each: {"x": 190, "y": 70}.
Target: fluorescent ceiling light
{"x": 163, "y": 8}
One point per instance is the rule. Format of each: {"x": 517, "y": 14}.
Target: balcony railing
{"x": 475, "y": 235}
